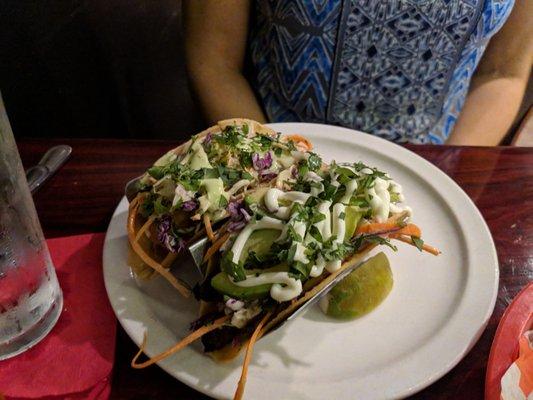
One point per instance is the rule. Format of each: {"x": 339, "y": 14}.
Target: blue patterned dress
{"x": 399, "y": 69}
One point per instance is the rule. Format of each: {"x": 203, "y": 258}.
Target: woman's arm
{"x": 498, "y": 85}
{"x": 215, "y": 44}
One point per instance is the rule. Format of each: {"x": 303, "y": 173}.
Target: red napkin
{"x": 76, "y": 359}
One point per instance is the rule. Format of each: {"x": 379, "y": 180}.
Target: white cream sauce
{"x": 263, "y": 223}
{"x": 283, "y": 288}
{"x": 274, "y": 195}
{"x": 379, "y": 198}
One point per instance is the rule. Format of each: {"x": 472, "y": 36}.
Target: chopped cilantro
{"x": 359, "y": 240}
{"x": 210, "y": 173}
{"x": 147, "y": 207}
{"x": 236, "y": 271}
{"x": 299, "y": 270}
{"x": 156, "y": 172}
{"x": 359, "y": 202}
{"x": 228, "y": 175}
{"x": 245, "y": 159}
{"x": 230, "y": 136}
{"x": 315, "y": 233}
{"x": 317, "y": 217}
{"x": 264, "y": 142}
{"x": 291, "y": 253}
{"x": 222, "y": 202}
{"x": 161, "y": 206}
{"x": 246, "y": 175}
{"x": 290, "y": 145}
{"x": 329, "y": 191}
{"x": 419, "y": 243}
{"x": 314, "y": 162}
{"x": 303, "y": 168}
{"x": 292, "y": 233}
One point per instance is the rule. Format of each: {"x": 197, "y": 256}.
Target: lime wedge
{"x": 361, "y": 291}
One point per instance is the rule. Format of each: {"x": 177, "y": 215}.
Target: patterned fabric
{"x": 399, "y": 69}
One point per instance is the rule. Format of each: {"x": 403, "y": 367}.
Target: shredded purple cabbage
{"x": 189, "y": 205}
{"x": 207, "y": 139}
{"x": 165, "y": 236}
{"x": 266, "y": 176}
{"x": 234, "y": 209}
{"x": 247, "y": 217}
{"x": 294, "y": 172}
{"x": 239, "y": 216}
{"x": 235, "y": 226}
{"x": 262, "y": 163}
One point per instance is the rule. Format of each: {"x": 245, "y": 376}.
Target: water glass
{"x": 30, "y": 296}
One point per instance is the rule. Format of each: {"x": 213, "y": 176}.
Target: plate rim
{"x": 363, "y": 140}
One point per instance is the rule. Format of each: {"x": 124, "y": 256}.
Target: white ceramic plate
{"x": 435, "y": 313}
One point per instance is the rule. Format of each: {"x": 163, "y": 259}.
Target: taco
{"x": 185, "y": 194}
{"x": 299, "y": 236}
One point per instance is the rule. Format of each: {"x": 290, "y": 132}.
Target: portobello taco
{"x": 299, "y": 234}
{"x": 185, "y": 194}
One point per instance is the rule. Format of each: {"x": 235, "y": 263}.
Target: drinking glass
{"x": 30, "y": 297}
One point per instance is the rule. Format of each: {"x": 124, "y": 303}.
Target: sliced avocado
{"x": 352, "y": 218}
{"x": 260, "y": 242}
{"x": 223, "y": 284}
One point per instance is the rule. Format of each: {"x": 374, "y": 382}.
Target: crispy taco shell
{"x": 140, "y": 267}
{"x": 232, "y": 350}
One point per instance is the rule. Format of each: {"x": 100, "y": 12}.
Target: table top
{"x": 82, "y": 196}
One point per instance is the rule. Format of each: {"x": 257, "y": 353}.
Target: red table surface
{"x": 82, "y": 196}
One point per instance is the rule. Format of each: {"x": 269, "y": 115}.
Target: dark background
{"x": 97, "y": 68}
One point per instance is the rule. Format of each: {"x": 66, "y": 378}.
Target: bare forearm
{"x": 498, "y": 86}
{"x": 215, "y": 46}
{"x": 225, "y": 93}
{"x": 489, "y": 111}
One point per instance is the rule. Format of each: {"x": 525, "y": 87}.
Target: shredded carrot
{"x": 143, "y": 229}
{"x": 425, "y": 247}
{"x": 301, "y": 141}
{"x": 222, "y": 230}
{"x": 385, "y": 227}
{"x": 169, "y": 259}
{"x": 134, "y": 202}
{"x": 409, "y": 230}
{"x": 178, "y": 346}
{"x": 376, "y": 227}
{"x": 208, "y": 228}
{"x": 249, "y": 348}
{"x": 217, "y": 245}
{"x": 147, "y": 259}
{"x": 396, "y": 218}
